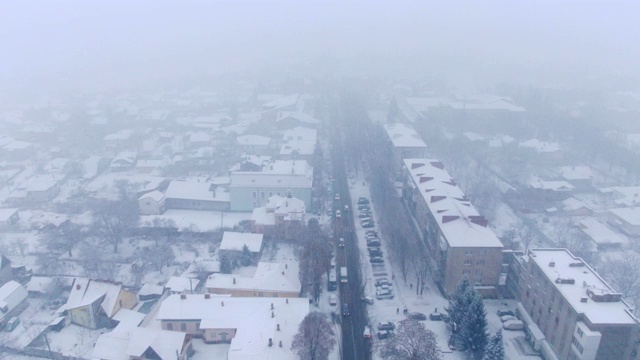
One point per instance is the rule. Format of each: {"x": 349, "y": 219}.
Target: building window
{"x": 466, "y": 272}
{"x": 183, "y": 327}
{"x": 467, "y": 262}
{"x": 262, "y": 194}
{"x": 480, "y": 262}
{"x": 270, "y": 194}
{"x": 478, "y": 272}
{"x": 468, "y": 252}
{"x": 478, "y": 281}
{"x": 580, "y": 332}
{"x": 255, "y": 194}
{"x": 169, "y": 326}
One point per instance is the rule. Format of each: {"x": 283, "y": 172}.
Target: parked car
{"x": 387, "y": 325}
{"x": 12, "y": 324}
{"x": 367, "y": 299}
{"x": 375, "y": 252}
{"x": 385, "y": 287}
{"x": 371, "y": 232}
{"x": 505, "y": 318}
{"x": 505, "y": 312}
{"x": 341, "y": 242}
{"x": 333, "y": 300}
{"x": 364, "y": 216}
{"x": 337, "y": 197}
{"x": 384, "y": 295}
{"x": 367, "y": 224}
{"x": 370, "y": 237}
{"x": 345, "y": 309}
{"x": 338, "y": 214}
{"x": 367, "y": 332}
{"x": 376, "y": 260}
{"x": 373, "y": 243}
{"x": 384, "y": 334}
{"x": 435, "y": 316}
{"x": 382, "y": 281}
{"x": 363, "y": 201}
{"x": 363, "y": 207}
{"x": 417, "y": 316}
{"x": 513, "y": 325}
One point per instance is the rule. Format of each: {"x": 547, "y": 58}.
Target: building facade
{"x": 460, "y": 243}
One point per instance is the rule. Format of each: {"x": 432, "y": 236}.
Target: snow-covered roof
{"x": 298, "y": 115}
{"x": 121, "y": 344}
{"x": 300, "y": 133}
{"x": 87, "y": 291}
{"x": 17, "y": 145}
{"x": 39, "y": 183}
{"x": 263, "y": 217}
{"x": 250, "y": 316}
{"x": 572, "y": 204}
{"x": 566, "y": 266}
{"x": 576, "y": 172}
{"x": 232, "y": 240}
{"x": 253, "y": 140}
{"x": 629, "y": 195}
{"x": 199, "y": 137}
{"x": 150, "y": 289}
{"x": 191, "y": 190}
{"x": 299, "y": 147}
{"x": 600, "y": 233}
{"x": 182, "y": 284}
{"x": 7, "y": 213}
{"x": 467, "y": 102}
{"x": 11, "y": 294}
{"x": 268, "y": 277}
{"x": 458, "y": 219}
{"x": 402, "y": 135}
{"x": 556, "y": 185}
{"x": 120, "y": 135}
{"x": 629, "y": 214}
{"x": 541, "y": 146}
{"x": 39, "y": 284}
{"x": 153, "y": 195}
{"x": 281, "y": 102}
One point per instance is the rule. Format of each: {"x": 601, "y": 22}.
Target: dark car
{"x": 371, "y": 232}
{"x": 376, "y": 260}
{"x": 417, "y": 316}
{"x": 375, "y": 252}
{"x": 388, "y": 325}
{"x": 367, "y": 224}
{"x": 363, "y": 201}
{"x": 374, "y": 243}
{"x": 435, "y": 316}
{"x": 384, "y": 334}
{"x": 505, "y": 312}
{"x": 345, "y": 309}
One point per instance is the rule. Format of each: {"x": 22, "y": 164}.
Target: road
{"x": 354, "y": 346}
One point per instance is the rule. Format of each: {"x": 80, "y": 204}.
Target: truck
{"x": 343, "y": 274}
{"x": 333, "y": 283}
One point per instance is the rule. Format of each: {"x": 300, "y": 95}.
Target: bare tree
{"x": 526, "y": 236}
{"x": 623, "y": 274}
{"x": 412, "y": 341}
{"x": 315, "y": 338}
{"x": 420, "y": 264}
{"x": 315, "y": 258}
{"x": 65, "y": 239}
{"x": 20, "y": 245}
{"x": 114, "y": 219}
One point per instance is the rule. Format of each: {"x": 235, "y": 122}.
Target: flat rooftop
{"x": 559, "y": 265}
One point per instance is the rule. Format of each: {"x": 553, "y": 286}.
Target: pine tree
{"x": 495, "y": 348}
{"x": 225, "y": 265}
{"x": 460, "y": 301}
{"x": 245, "y": 260}
{"x": 473, "y": 331}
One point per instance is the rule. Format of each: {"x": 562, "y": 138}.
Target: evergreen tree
{"x": 473, "y": 331}
{"x": 459, "y": 302}
{"x": 495, "y": 348}
{"x": 225, "y": 265}
{"x": 246, "y": 259}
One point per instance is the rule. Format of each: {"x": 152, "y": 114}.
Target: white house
{"x": 181, "y": 285}
{"x": 12, "y": 296}
{"x": 152, "y": 203}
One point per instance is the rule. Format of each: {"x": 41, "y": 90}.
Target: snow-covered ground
{"x": 198, "y": 221}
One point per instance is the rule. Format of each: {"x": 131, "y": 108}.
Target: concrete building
{"x": 579, "y": 315}
{"x": 252, "y": 189}
{"x": 459, "y": 240}
{"x": 233, "y": 243}
{"x": 405, "y": 143}
{"x": 270, "y": 280}
{"x": 282, "y": 217}
{"x": 196, "y": 195}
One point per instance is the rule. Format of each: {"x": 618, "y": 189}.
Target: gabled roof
{"x": 402, "y": 135}
{"x": 268, "y": 277}
{"x": 87, "y": 291}
{"x": 182, "y": 284}
{"x": 232, "y": 240}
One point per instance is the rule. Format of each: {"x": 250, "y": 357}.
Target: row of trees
{"x": 314, "y": 254}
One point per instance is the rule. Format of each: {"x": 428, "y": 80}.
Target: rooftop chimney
{"x": 280, "y": 343}
{"x": 234, "y": 281}
{"x": 207, "y": 296}
{"x": 286, "y": 300}
{"x": 286, "y": 266}
{"x": 271, "y": 306}
{"x": 552, "y": 264}
{"x": 222, "y": 303}
{"x": 183, "y": 296}
{"x": 272, "y": 314}
{"x": 278, "y": 327}
{"x": 77, "y": 286}
{"x": 270, "y": 342}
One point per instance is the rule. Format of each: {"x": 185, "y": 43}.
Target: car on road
{"x": 384, "y": 334}
{"x": 376, "y": 260}
{"x": 363, "y": 201}
{"x": 364, "y": 207}
{"x": 341, "y": 242}
{"x": 338, "y": 214}
{"x": 505, "y": 312}
{"x": 12, "y": 324}
{"x": 345, "y": 309}
{"x": 387, "y": 325}
{"x": 367, "y": 224}
{"x": 417, "y": 316}
{"x": 337, "y": 197}
{"x": 329, "y": 212}
{"x": 373, "y": 243}
{"x": 367, "y": 332}
{"x": 367, "y": 299}
{"x": 375, "y": 252}
{"x": 333, "y": 300}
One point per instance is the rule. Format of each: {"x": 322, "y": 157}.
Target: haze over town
{"x": 319, "y": 180}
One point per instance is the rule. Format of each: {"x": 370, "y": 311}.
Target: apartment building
{"x": 460, "y": 243}
{"x": 406, "y": 144}
{"x": 572, "y": 308}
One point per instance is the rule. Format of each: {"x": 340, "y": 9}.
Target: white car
{"x": 333, "y": 300}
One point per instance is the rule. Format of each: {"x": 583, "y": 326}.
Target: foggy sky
{"x": 100, "y": 44}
